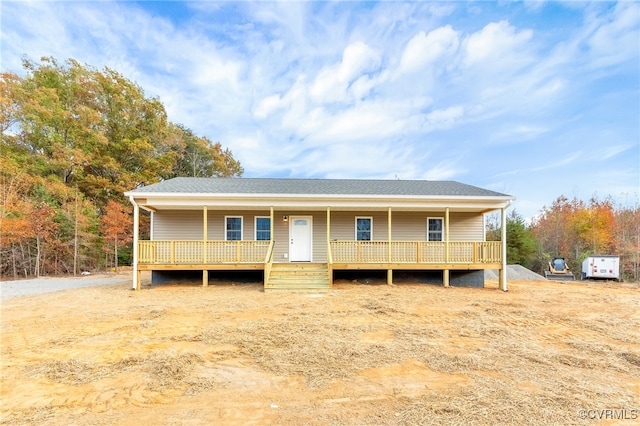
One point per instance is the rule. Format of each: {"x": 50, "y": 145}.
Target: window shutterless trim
{"x": 226, "y": 229}
{"x": 255, "y": 227}
{"x": 370, "y": 218}
{"x": 442, "y": 236}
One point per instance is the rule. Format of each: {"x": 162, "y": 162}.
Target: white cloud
{"x": 267, "y": 106}
{"x": 497, "y": 44}
{"x": 370, "y": 120}
{"x": 296, "y": 102}
{"x": 443, "y": 118}
{"x": 442, "y": 171}
{"x": 332, "y": 82}
{"x": 362, "y": 87}
{"x": 358, "y": 58}
{"x": 425, "y": 49}
{"x": 534, "y": 5}
{"x": 610, "y": 151}
{"x": 616, "y": 37}
{"x": 517, "y": 133}
{"x": 207, "y": 68}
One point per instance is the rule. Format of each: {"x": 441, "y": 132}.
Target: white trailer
{"x": 601, "y": 266}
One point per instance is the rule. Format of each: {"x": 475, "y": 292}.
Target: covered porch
{"x": 341, "y": 254}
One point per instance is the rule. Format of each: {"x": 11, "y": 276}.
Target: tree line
{"x": 73, "y": 140}
{"x": 574, "y": 229}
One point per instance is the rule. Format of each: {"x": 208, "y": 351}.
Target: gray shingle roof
{"x": 183, "y": 185}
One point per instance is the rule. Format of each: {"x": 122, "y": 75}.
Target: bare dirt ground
{"x": 542, "y": 353}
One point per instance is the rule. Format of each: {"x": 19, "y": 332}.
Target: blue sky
{"x": 534, "y": 99}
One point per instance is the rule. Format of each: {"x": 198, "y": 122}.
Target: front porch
{"x": 343, "y": 224}
{"x": 341, "y": 255}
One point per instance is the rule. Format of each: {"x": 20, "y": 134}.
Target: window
{"x": 233, "y": 228}
{"x": 364, "y": 228}
{"x": 263, "y": 228}
{"x": 435, "y": 231}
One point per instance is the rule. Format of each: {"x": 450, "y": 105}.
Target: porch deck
{"x": 164, "y": 255}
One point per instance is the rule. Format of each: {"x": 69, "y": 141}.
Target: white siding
{"x": 466, "y": 227}
{"x": 410, "y": 226}
{"x": 280, "y": 237}
{"x": 189, "y": 224}
{"x": 406, "y": 226}
{"x": 178, "y": 225}
{"x": 343, "y": 225}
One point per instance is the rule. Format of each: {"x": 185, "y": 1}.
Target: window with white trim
{"x": 435, "y": 229}
{"x": 364, "y": 228}
{"x": 263, "y": 228}
{"x": 233, "y": 228}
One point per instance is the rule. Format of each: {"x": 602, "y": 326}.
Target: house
{"x": 299, "y": 231}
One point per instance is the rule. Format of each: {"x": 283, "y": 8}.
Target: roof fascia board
{"x": 475, "y": 204}
{"x": 299, "y": 197}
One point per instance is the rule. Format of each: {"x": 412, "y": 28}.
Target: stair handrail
{"x": 268, "y": 262}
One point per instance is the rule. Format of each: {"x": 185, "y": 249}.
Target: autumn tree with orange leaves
{"x": 575, "y": 230}
{"x": 116, "y": 226}
{"x": 73, "y": 139}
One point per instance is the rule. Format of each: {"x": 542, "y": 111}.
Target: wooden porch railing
{"x": 418, "y": 252}
{"x": 177, "y": 252}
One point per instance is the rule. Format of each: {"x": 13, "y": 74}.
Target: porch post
{"x": 204, "y": 225}
{"x": 136, "y": 232}
{"x": 205, "y": 272}
{"x": 328, "y": 228}
{"x": 389, "y": 271}
{"x": 503, "y": 238}
{"x": 329, "y": 255}
{"x": 271, "y": 223}
{"x": 446, "y": 235}
{"x": 445, "y": 276}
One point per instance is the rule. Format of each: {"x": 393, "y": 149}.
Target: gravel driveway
{"x": 11, "y": 289}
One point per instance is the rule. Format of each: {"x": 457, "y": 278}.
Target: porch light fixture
{"x": 285, "y": 218}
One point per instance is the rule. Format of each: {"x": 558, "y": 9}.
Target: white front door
{"x": 300, "y": 238}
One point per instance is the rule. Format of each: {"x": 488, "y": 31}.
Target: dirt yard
{"x": 543, "y": 353}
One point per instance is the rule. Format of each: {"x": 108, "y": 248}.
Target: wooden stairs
{"x": 307, "y": 277}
